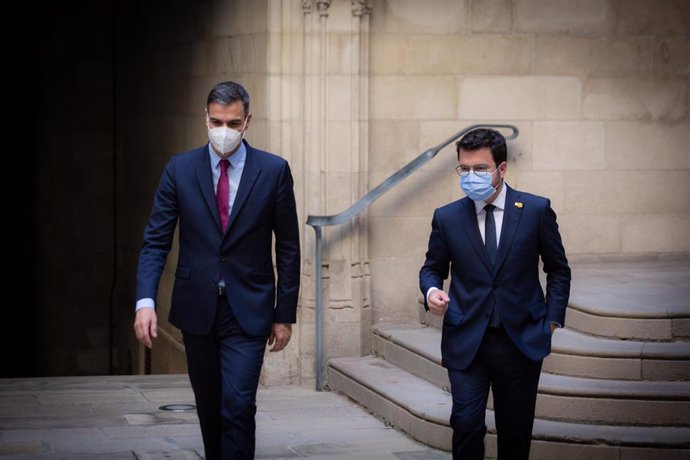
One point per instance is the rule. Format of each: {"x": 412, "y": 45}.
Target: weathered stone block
{"x": 656, "y": 233}
{"x": 587, "y": 17}
{"x": 566, "y": 55}
{"x": 672, "y": 56}
{"x": 491, "y": 16}
{"x": 619, "y": 192}
{"x": 394, "y": 295}
{"x": 635, "y": 98}
{"x": 392, "y": 144}
{"x": 411, "y": 16}
{"x": 398, "y": 236}
{"x": 389, "y": 54}
{"x": 647, "y": 145}
{"x": 519, "y": 98}
{"x": 562, "y": 145}
{"x": 681, "y": 328}
{"x": 587, "y": 234}
{"x": 649, "y": 17}
{"x": 413, "y": 98}
{"x": 461, "y": 54}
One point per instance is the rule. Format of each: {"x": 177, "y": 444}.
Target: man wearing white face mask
{"x": 497, "y": 323}
{"x": 230, "y": 200}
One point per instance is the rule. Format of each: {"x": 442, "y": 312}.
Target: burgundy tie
{"x": 223, "y": 194}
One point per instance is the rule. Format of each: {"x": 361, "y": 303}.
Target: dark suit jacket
{"x": 264, "y": 207}
{"x": 529, "y": 231}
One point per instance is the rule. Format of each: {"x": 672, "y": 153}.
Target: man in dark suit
{"x": 498, "y": 323}
{"x": 230, "y": 201}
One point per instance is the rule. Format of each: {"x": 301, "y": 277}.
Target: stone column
{"x": 336, "y": 56}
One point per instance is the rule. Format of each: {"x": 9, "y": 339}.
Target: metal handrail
{"x": 323, "y": 221}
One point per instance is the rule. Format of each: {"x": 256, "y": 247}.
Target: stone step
{"x": 414, "y": 348}
{"x": 582, "y": 355}
{"x": 640, "y": 301}
{"x": 422, "y": 410}
{"x": 573, "y": 353}
{"x": 613, "y": 401}
{"x": 577, "y": 354}
{"x": 417, "y": 350}
{"x": 649, "y": 326}
{"x": 632, "y": 300}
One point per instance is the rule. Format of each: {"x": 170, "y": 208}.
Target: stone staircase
{"x": 616, "y": 386}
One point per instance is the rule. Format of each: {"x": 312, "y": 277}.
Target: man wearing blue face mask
{"x": 498, "y": 321}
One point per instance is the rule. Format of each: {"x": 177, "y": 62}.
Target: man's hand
{"x": 146, "y": 326}
{"x": 554, "y": 326}
{"x": 438, "y": 302}
{"x": 280, "y": 334}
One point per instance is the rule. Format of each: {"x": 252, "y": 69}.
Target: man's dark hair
{"x": 484, "y": 137}
{"x": 228, "y": 92}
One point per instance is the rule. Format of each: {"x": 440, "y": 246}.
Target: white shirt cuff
{"x": 145, "y": 303}
{"x": 431, "y": 289}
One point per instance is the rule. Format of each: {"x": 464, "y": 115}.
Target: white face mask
{"x": 225, "y": 139}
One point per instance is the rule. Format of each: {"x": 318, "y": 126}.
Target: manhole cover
{"x": 178, "y": 407}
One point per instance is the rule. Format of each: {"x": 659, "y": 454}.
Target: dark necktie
{"x": 223, "y": 194}
{"x": 490, "y": 240}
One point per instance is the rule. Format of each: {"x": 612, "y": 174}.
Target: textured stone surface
{"x": 567, "y": 55}
{"x": 291, "y": 422}
{"x": 635, "y": 99}
{"x": 413, "y": 98}
{"x": 405, "y": 400}
{"x": 519, "y": 98}
{"x": 587, "y": 17}
{"x": 562, "y": 145}
{"x": 406, "y": 16}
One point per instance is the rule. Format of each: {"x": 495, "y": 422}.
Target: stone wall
{"x": 598, "y": 88}
{"x": 171, "y": 54}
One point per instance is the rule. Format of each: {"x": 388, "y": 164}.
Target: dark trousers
{"x": 224, "y": 369}
{"x": 513, "y": 379}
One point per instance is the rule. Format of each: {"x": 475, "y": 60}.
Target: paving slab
{"x": 118, "y": 418}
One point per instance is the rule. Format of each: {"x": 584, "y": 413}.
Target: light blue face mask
{"x": 477, "y": 187}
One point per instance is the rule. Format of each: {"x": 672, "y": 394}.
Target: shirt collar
{"x": 235, "y": 159}
{"x": 499, "y": 202}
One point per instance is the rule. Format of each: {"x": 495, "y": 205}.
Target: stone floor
{"x": 118, "y": 417}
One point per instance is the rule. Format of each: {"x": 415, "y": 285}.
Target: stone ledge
{"x": 425, "y": 341}
{"x": 567, "y": 341}
{"x": 388, "y": 390}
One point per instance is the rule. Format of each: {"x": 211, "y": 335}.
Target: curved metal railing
{"x": 317, "y": 222}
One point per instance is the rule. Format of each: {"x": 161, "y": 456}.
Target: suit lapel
{"x": 468, "y": 218}
{"x": 250, "y": 174}
{"x": 205, "y": 180}
{"x": 511, "y": 218}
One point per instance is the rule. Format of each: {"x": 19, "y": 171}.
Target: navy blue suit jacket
{"x": 264, "y": 207}
{"x": 529, "y": 232}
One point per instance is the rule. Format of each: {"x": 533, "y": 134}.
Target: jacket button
{"x": 222, "y": 259}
